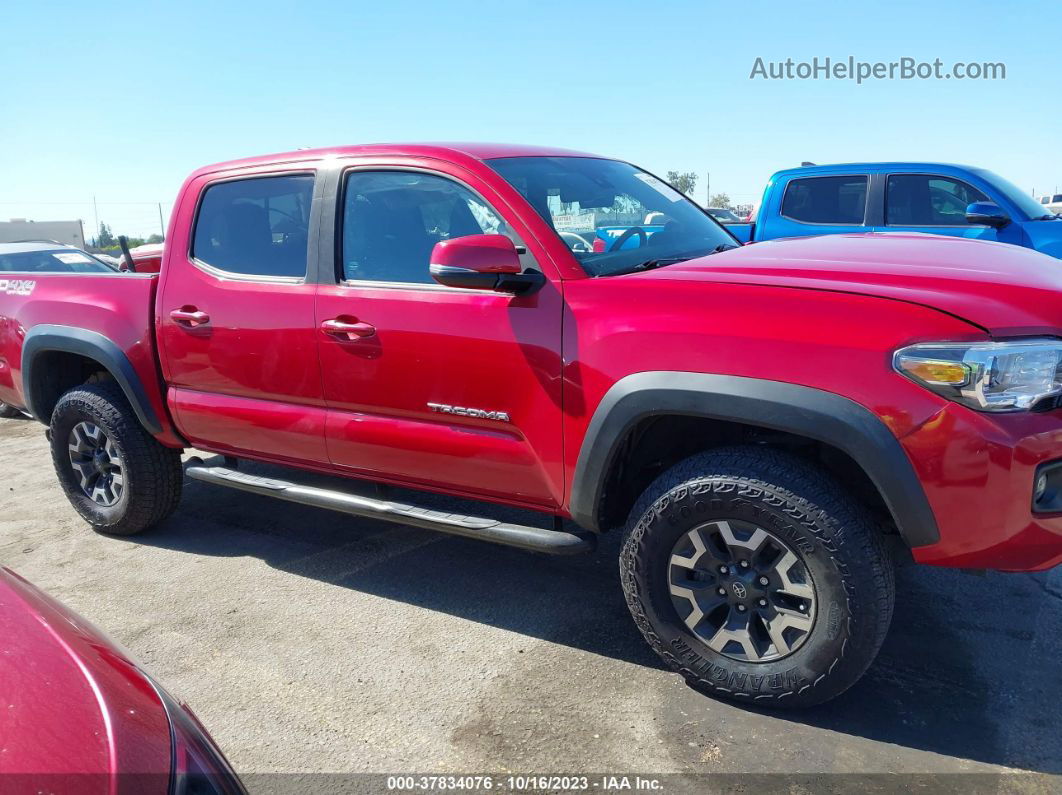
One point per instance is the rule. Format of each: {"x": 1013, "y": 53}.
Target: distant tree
{"x": 683, "y": 183}
{"x": 155, "y": 239}
{"x": 720, "y": 200}
{"x": 105, "y": 239}
{"x": 624, "y": 204}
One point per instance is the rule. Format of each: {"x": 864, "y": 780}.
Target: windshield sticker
{"x": 17, "y": 286}
{"x": 662, "y": 187}
{"x": 71, "y": 257}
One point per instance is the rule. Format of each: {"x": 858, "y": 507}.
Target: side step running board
{"x": 525, "y": 537}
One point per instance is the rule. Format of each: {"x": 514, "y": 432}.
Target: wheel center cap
{"x": 739, "y": 590}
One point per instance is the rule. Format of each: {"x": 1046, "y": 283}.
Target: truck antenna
{"x": 123, "y": 241}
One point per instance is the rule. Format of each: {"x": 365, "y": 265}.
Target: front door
{"x": 456, "y": 389}
{"x": 236, "y": 320}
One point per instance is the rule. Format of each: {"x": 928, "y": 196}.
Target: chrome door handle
{"x": 351, "y": 329}
{"x": 191, "y": 318}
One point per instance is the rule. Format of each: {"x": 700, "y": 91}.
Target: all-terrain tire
{"x": 152, "y": 473}
{"x": 839, "y": 548}
{"x": 8, "y": 412}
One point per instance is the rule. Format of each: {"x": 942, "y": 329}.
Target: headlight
{"x": 1021, "y": 375}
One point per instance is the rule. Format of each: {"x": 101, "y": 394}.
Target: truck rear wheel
{"x": 754, "y": 575}
{"x": 117, "y": 476}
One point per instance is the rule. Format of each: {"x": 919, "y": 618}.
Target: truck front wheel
{"x": 754, "y": 575}
{"x": 115, "y": 474}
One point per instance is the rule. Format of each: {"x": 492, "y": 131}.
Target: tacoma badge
{"x": 462, "y": 411}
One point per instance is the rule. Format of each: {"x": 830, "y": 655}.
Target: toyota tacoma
{"x": 772, "y": 427}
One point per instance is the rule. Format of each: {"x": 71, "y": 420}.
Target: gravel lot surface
{"x": 312, "y": 641}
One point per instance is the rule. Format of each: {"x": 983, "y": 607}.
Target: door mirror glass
{"x": 483, "y": 262}
{"x": 987, "y": 214}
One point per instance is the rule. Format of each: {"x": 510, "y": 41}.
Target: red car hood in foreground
{"x": 74, "y": 710}
{"x": 1005, "y": 289}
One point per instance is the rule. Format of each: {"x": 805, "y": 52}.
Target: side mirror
{"x": 987, "y": 214}
{"x": 482, "y": 262}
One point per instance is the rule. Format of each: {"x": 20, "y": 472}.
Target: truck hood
{"x": 1004, "y": 289}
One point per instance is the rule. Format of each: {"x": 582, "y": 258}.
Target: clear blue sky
{"x": 121, "y": 100}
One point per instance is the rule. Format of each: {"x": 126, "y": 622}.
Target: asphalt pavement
{"x": 310, "y": 641}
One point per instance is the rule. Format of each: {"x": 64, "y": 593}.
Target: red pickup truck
{"x": 773, "y": 426}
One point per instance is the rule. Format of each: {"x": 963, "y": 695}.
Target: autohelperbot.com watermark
{"x": 860, "y": 72}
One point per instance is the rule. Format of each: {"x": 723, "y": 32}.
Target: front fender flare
{"x": 813, "y": 413}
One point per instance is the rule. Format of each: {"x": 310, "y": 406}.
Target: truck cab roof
{"x": 890, "y": 165}
{"x": 453, "y": 151}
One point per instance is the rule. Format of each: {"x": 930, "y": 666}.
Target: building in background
{"x": 71, "y": 233}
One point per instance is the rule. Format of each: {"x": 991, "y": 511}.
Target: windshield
{"x": 63, "y": 260}
{"x": 612, "y": 216}
{"x": 1027, "y": 204}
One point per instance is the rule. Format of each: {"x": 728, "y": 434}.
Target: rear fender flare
{"x": 93, "y": 345}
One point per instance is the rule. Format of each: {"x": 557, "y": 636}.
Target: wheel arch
{"x": 792, "y": 409}
{"x": 57, "y": 358}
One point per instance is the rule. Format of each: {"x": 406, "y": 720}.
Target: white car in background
{"x": 724, "y": 215}
{"x": 1053, "y": 203}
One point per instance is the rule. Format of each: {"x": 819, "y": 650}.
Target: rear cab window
{"x": 256, "y": 227}
{"x": 830, "y": 200}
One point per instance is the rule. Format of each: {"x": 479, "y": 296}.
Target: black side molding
{"x": 813, "y": 413}
{"x": 95, "y": 346}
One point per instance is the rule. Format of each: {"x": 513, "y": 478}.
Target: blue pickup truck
{"x": 936, "y": 198}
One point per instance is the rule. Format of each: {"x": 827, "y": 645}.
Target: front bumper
{"x": 978, "y": 471}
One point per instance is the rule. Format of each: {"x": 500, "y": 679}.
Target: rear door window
{"x": 826, "y": 200}
{"x": 255, "y": 227}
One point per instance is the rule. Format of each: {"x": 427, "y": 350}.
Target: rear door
{"x": 936, "y": 204}
{"x": 457, "y": 389}
{"x": 235, "y": 317}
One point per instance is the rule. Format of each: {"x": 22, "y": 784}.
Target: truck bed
{"x": 119, "y": 306}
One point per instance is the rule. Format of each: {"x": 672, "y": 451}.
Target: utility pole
{"x": 96, "y": 213}
{"x": 162, "y": 225}
{"x": 707, "y": 189}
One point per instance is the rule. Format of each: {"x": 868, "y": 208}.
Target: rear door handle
{"x": 190, "y": 318}
{"x": 348, "y": 329}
